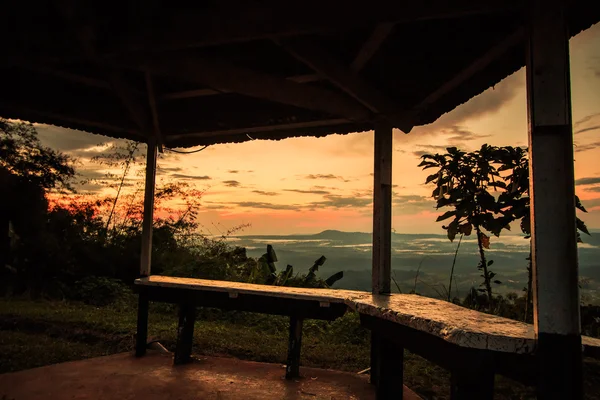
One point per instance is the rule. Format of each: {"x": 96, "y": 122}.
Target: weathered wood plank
{"x": 292, "y": 369}
{"x": 449, "y": 322}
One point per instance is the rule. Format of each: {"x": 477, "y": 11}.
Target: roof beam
{"x": 348, "y": 81}
{"x": 370, "y": 47}
{"x": 66, "y": 118}
{"x": 211, "y": 92}
{"x": 278, "y": 20}
{"x": 260, "y": 129}
{"x": 478, "y": 65}
{"x": 126, "y": 94}
{"x": 225, "y": 77}
{"x": 152, "y": 102}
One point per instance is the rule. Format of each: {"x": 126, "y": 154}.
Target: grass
{"x": 34, "y": 334}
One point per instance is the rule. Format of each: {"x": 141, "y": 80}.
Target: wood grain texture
{"x": 452, "y": 323}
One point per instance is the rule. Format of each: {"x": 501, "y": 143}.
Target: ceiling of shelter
{"x": 228, "y": 71}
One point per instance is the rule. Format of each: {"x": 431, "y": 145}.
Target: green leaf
{"x": 431, "y": 178}
{"x": 581, "y": 226}
{"x": 497, "y": 282}
{"x": 490, "y": 262}
{"x": 334, "y": 278}
{"x": 446, "y": 215}
{"x": 579, "y": 205}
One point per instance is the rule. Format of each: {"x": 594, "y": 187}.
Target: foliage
{"x": 23, "y": 155}
{"x": 463, "y": 181}
{"x": 99, "y": 291}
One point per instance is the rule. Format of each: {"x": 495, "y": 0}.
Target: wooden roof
{"x": 228, "y": 71}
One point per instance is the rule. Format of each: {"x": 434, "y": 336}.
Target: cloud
{"x": 263, "y": 193}
{"x": 412, "y": 204}
{"x": 270, "y": 206}
{"x": 586, "y": 147}
{"x": 233, "y": 171}
{"x": 460, "y": 135}
{"x": 339, "y": 201}
{"x": 592, "y": 180}
{"x": 323, "y": 176}
{"x": 430, "y": 149}
{"x": 588, "y": 123}
{"x": 170, "y": 169}
{"x": 232, "y": 183}
{"x": 593, "y": 189}
{"x": 307, "y": 191}
{"x": 69, "y": 140}
{"x": 193, "y": 177}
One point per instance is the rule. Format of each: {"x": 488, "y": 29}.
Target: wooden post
{"x": 146, "y": 255}
{"x": 382, "y": 225}
{"x": 141, "y": 338}
{"x": 475, "y": 381}
{"x": 390, "y": 362}
{"x": 382, "y": 209}
{"x": 292, "y": 369}
{"x": 185, "y": 334}
{"x": 552, "y": 190}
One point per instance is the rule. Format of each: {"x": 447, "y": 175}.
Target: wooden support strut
{"x": 292, "y": 369}
{"x": 142, "y": 324}
{"x": 382, "y": 209}
{"x": 390, "y": 367}
{"x": 185, "y": 334}
{"x": 552, "y": 191}
{"x": 146, "y": 254}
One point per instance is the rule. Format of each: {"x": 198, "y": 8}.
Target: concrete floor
{"x": 153, "y": 377}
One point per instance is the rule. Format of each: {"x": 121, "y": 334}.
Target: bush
{"x": 100, "y": 291}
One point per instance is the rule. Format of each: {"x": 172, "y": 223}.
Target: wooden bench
{"x": 473, "y": 346}
{"x": 297, "y": 303}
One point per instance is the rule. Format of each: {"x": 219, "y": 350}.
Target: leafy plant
{"x": 463, "y": 181}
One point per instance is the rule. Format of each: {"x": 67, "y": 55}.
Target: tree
{"x": 463, "y": 181}
{"x": 27, "y": 171}
{"x": 22, "y": 154}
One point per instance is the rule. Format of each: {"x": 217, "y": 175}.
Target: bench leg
{"x": 390, "y": 370}
{"x": 185, "y": 334}
{"x": 374, "y": 373}
{"x": 292, "y": 369}
{"x": 472, "y": 384}
{"x": 142, "y": 324}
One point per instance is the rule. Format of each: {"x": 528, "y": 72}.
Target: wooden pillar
{"x": 185, "y": 334}
{"x": 382, "y": 225}
{"x": 382, "y": 209}
{"x": 292, "y": 369}
{"x": 146, "y": 255}
{"x": 552, "y": 190}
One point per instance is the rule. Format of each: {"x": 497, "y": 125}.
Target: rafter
{"x": 475, "y": 67}
{"x": 348, "y": 81}
{"x": 247, "y": 23}
{"x": 185, "y": 94}
{"x": 260, "y": 129}
{"x": 152, "y": 102}
{"x": 223, "y": 76}
{"x": 126, "y": 94}
{"x": 371, "y": 45}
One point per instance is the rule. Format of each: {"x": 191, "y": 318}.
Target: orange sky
{"x": 306, "y": 185}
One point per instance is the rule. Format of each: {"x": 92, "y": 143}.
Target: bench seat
{"x": 471, "y": 344}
